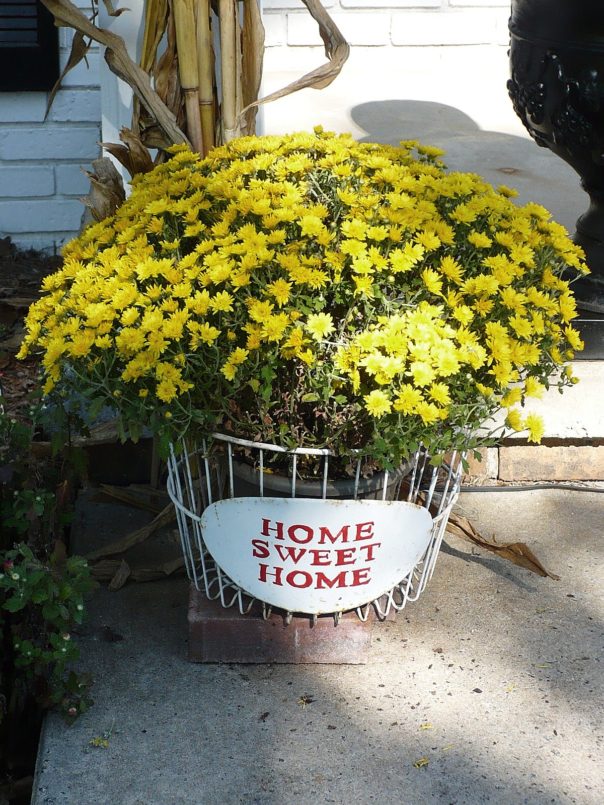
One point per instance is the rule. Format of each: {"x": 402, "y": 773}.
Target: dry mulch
{"x": 21, "y": 273}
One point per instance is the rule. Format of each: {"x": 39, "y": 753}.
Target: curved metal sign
{"x": 316, "y": 556}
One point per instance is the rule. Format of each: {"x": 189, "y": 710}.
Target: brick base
{"x": 568, "y": 463}
{"x": 520, "y": 462}
{"x": 217, "y": 634}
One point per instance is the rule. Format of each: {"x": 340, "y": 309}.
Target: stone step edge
{"x": 563, "y": 461}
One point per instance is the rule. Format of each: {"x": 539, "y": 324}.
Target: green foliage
{"x": 40, "y": 604}
{"x": 41, "y": 588}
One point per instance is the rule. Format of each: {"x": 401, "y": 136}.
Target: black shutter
{"x": 29, "y": 46}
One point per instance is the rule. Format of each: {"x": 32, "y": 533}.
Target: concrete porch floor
{"x": 489, "y": 689}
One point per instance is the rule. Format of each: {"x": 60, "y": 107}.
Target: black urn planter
{"x": 557, "y": 89}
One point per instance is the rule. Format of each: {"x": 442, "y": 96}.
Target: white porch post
{"x": 116, "y": 95}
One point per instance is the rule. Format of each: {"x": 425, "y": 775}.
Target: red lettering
{"x": 306, "y": 579}
{"x": 324, "y": 581}
{"x": 261, "y": 550}
{"x": 344, "y": 556}
{"x": 265, "y": 572}
{"x": 364, "y": 531}
{"x": 267, "y": 528}
{"x": 369, "y": 555}
{"x": 320, "y": 557}
{"x": 325, "y": 533}
{"x": 360, "y": 576}
{"x": 306, "y": 529}
{"x": 289, "y": 552}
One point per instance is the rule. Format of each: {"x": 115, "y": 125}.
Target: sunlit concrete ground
{"x": 493, "y": 680}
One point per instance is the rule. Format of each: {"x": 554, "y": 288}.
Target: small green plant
{"x": 40, "y": 604}
{"x": 25, "y": 506}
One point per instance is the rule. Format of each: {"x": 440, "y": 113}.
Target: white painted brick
{"x": 66, "y": 38}
{"x": 358, "y": 28}
{"x": 71, "y": 180}
{"x": 387, "y": 4}
{"x": 49, "y": 242}
{"x": 460, "y": 27}
{"x": 49, "y": 142}
{"x": 18, "y": 107}
{"x": 84, "y": 74}
{"x": 275, "y": 29}
{"x": 76, "y": 105}
{"x": 51, "y": 215}
{"x": 26, "y": 180}
{"x": 273, "y": 5}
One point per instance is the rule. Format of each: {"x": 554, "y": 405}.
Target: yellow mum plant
{"x": 312, "y": 290}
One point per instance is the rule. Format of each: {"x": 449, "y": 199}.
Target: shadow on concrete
{"x": 535, "y": 172}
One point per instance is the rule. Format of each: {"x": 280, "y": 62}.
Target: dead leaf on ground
{"x": 121, "y": 576}
{"x": 165, "y": 516}
{"x": 138, "y": 498}
{"x": 118, "y": 571}
{"x": 516, "y": 552}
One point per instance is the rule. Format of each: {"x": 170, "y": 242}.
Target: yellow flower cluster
{"x": 310, "y": 288}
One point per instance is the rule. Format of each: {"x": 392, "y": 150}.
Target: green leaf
{"x": 50, "y": 612}
{"x": 267, "y": 373}
{"x": 38, "y": 596}
{"x": 15, "y": 603}
{"x": 95, "y": 407}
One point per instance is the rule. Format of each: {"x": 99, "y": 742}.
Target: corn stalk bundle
{"x": 199, "y": 74}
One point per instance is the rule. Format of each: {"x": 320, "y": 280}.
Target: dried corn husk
{"x": 184, "y": 21}
{"x": 106, "y": 189}
{"x": 205, "y": 66}
{"x": 336, "y": 50}
{"x": 118, "y": 60}
{"x": 132, "y": 154}
{"x": 156, "y": 20}
{"x": 252, "y": 37}
{"x": 228, "y": 64}
{"x": 79, "y": 49}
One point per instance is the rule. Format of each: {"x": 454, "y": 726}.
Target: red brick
{"x": 219, "y": 634}
{"x": 486, "y": 469}
{"x": 539, "y": 463}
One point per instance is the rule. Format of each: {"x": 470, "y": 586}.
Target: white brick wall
{"x": 41, "y": 180}
{"x": 444, "y": 52}
{"x": 413, "y": 49}
{"x": 392, "y": 23}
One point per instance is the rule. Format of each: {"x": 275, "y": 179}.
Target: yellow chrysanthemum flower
{"x": 534, "y": 424}
{"x": 513, "y": 420}
{"x": 319, "y": 325}
{"x": 377, "y": 403}
{"x": 311, "y": 266}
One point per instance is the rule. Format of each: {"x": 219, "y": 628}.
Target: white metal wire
{"x": 198, "y": 476}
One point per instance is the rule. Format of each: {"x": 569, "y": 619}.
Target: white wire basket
{"x": 201, "y": 477}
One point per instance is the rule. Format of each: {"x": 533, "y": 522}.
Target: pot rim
{"x": 313, "y": 488}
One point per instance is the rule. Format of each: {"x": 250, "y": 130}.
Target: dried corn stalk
{"x": 175, "y": 85}
{"x": 120, "y": 63}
